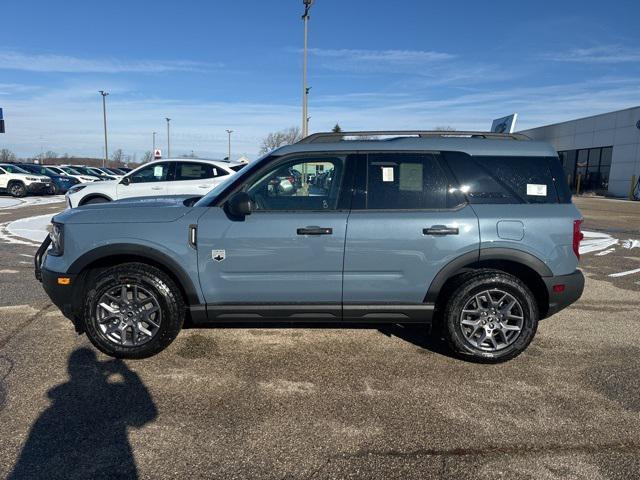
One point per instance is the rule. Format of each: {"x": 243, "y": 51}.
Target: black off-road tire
{"x": 17, "y": 189}
{"x": 152, "y": 279}
{"x": 95, "y": 200}
{"x": 475, "y": 282}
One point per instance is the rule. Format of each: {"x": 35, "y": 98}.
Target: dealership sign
{"x": 157, "y": 154}
{"x": 505, "y": 124}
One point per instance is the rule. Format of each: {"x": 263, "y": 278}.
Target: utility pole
{"x": 168, "y": 138}
{"x": 229, "y": 154}
{"x": 153, "y": 150}
{"x": 104, "y": 116}
{"x": 305, "y": 89}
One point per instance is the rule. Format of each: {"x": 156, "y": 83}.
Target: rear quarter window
{"x": 508, "y": 179}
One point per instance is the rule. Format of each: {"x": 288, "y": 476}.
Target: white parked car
{"x": 18, "y": 182}
{"x": 162, "y": 177}
{"x": 70, "y": 172}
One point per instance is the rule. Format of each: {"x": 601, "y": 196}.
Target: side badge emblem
{"x": 218, "y": 255}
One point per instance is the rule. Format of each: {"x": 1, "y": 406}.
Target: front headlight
{"x": 75, "y": 189}
{"x": 33, "y": 179}
{"x": 57, "y": 239}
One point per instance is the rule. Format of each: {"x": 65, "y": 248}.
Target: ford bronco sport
{"x": 473, "y": 232}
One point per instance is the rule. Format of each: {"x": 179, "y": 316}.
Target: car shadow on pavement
{"x": 419, "y": 336}
{"x": 83, "y": 433}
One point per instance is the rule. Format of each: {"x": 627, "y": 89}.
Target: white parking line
{"x": 628, "y": 272}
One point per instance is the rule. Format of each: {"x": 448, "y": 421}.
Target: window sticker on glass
{"x": 387, "y": 174}
{"x": 157, "y": 171}
{"x": 411, "y": 177}
{"x": 536, "y": 190}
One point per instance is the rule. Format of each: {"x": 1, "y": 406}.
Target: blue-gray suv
{"x": 473, "y": 233}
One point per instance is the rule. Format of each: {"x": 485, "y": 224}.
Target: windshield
{"x": 221, "y": 187}
{"x": 70, "y": 171}
{"x": 237, "y": 168}
{"x": 48, "y": 171}
{"x": 95, "y": 171}
{"x": 14, "y": 169}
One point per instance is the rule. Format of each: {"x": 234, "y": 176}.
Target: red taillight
{"x": 577, "y": 237}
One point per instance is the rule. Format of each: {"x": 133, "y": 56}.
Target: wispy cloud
{"x": 396, "y": 57}
{"x": 11, "y": 60}
{"x": 600, "y": 54}
{"x": 65, "y": 121}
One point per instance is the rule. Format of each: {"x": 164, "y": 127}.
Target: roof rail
{"x": 338, "y": 136}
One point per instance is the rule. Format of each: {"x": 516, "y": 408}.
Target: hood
{"x": 131, "y": 210}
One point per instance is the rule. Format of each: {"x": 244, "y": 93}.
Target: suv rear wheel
{"x": 17, "y": 189}
{"x": 491, "y": 316}
{"x": 133, "y": 310}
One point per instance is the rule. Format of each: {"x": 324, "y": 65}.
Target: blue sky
{"x": 212, "y": 65}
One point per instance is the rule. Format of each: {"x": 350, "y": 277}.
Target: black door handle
{"x": 440, "y": 230}
{"x": 315, "y": 231}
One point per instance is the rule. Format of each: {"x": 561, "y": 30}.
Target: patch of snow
{"x": 596, "y": 241}
{"x": 631, "y": 243}
{"x": 30, "y": 228}
{"x": 11, "y": 202}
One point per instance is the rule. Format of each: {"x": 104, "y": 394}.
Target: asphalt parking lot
{"x": 327, "y": 403}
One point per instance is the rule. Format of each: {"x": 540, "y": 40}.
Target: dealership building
{"x": 602, "y": 151}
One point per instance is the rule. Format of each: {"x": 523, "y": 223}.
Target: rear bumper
{"x": 573, "y": 288}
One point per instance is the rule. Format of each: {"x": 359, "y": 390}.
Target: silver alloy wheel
{"x": 128, "y": 315}
{"x": 492, "y": 320}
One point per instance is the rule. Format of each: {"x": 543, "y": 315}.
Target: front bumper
{"x": 573, "y": 288}
{"x": 62, "y": 295}
{"x": 35, "y": 187}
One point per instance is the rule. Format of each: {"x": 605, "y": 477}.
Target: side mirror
{"x": 125, "y": 181}
{"x": 239, "y": 205}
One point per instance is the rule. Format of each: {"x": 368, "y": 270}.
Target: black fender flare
{"x": 142, "y": 252}
{"x": 472, "y": 259}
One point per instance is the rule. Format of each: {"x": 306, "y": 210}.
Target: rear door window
{"x": 405, "y": 181}
{"x": 197, "y": 171}
{"x": 504, "y": 179}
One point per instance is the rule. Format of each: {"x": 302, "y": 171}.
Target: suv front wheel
{"x": 17, "y": 189}
{"x": 491, "y": 317}
{"x": 133, "y": 310}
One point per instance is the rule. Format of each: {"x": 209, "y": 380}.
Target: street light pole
{"x": 168, "y": 138}
{"x": 305, "y": 90}
{"x": 153, "y": 151}
{"x": 104, "y": 116}
{"x": 229, "y": 154}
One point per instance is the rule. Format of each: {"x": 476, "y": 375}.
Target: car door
{"x": 3, "y": 178}
{"x": 195, "y": 178}
{"x": 406, "y": 224}
{"x": 150, "y": 180}
{"x": 286, "y": 257}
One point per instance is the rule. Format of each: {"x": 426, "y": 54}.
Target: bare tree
{"x": 278, "y": 139}
{"x": 50, "y": 155}
{"x": 7, "y": 155}
{"x": 147, "y": 156}
{"x": 117, "y": 156}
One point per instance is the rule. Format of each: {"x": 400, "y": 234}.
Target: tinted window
{"x": 237, "y": 168}
{"x": 156, "y": 172}
{"x": 307, "y": 184}
{"x": 14, "y": 169}
{"x": 405, "y": 181}
{"x": 197, "y": 171}
{"x": 498, "y": 179}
